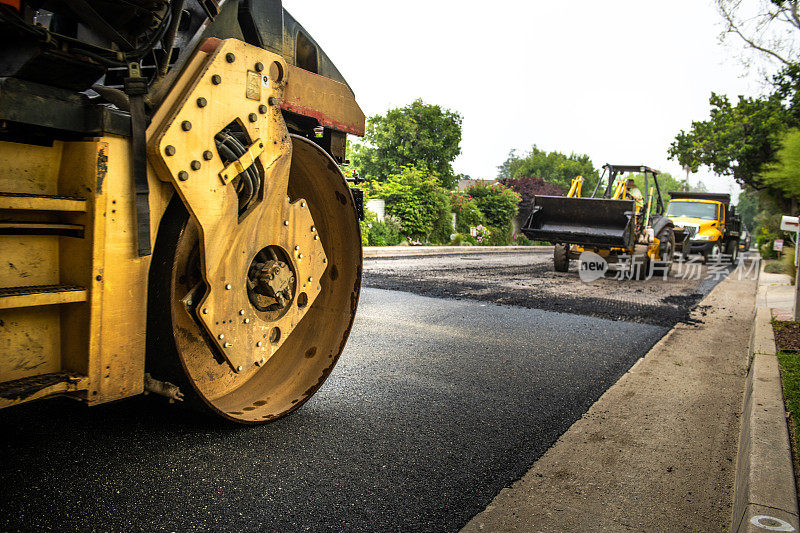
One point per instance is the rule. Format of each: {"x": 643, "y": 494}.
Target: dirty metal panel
{"x": 28, "y": 260}
{"x": 324, "y": 99}
{"x": 26, "y": 168}
{"x": 253, "y": 91}
{"x": 106, "y": 335}
{"x": 229, "y": 244}
{"x": 30, "y": 340}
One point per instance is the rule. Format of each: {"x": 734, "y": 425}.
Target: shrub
{"x": 521, "y": 240}
{"x": 764, "y": 244}
{"x": 386, "y": 233}
{"x": 467, "y": 213}
{"x": 774, "y": 267}
{"x": 497, "y": 202}
{"x": 369, "y": 219}
{"x": 499, "y": 236}
{"x": 442, "y": 228}
{"x": 418, "y": 202}
{"x": 483, "y": 235}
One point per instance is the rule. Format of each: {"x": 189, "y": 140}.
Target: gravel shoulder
{"x": 528, "y": 280}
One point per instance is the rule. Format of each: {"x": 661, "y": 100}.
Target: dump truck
{"x": 705, "y": 224}
{"x": 174, "y": 215}
{"x": 623, "y": 229}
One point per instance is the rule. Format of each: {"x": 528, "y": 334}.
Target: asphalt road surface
{"x": 434, "y": 407}
{"x": 527, "y": 279}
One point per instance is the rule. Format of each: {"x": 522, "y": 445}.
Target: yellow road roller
{"x": 173, "y": 217}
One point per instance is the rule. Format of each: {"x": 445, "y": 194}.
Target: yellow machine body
{"x": 74, "y": 290}
{"x": 707, "y": 230}
{"x": 651, "y": 247}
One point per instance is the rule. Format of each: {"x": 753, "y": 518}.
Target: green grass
{"x": 774, "y": 266}
{"x": 783, "y": 266}
{"x": 790, "y": 376}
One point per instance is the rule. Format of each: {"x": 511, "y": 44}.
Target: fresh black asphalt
{"x": 435, "y": 406}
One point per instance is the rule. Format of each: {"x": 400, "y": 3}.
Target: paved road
{"x": 526, "y": 278}
{"x": 435, "y": 406}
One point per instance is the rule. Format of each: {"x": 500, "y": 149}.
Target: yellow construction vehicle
{"x": 706, "y": 224}
{"x": 173, "y": 214}
{"x": 619, "y": 225}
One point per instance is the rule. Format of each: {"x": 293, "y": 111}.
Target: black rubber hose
{"x": 238, "y": 150}
{"x": 247, "y": 187}
{"x": 176, "y": 10}
{"x": 252, "y": 171}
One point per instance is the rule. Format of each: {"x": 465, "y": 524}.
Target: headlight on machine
{"x": 704, "y": 237}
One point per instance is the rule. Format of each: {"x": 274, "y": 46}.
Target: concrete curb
{"x": 765, "y": 498}
{"x": 409, "y": 251}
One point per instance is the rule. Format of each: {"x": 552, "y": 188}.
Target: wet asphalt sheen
{"x": 435, "y": 406}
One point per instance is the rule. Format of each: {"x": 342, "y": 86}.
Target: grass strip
{"x": 790, "y": 377}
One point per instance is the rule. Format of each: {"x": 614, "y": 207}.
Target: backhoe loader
{"x": 633, "y": 235}
{"x": 173, "y": 217}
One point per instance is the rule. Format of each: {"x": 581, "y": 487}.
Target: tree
{"x": 784, "y": 173}
{"x": 747, "y": 207}
{"x": 422, "y": 136}
{"x": 770, "y": 28}
{"x": 744, "y": 140}
{"x": 736, "y": 140}
{"x": 554, "y": 167}
{"x": 527, "y": 188}
{"x": 415, "y": 197}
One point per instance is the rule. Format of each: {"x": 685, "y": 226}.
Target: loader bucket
{"x": 597, "y": 222}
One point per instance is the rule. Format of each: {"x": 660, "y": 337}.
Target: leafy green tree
{"x": 736, "y": 141}
{"x": 744, "y": 140}
{"x": 747, "y": 207}
{"x": 784, "y": 173}
{"x": 554, "y": 167}
{"x": 771, "y": 32}
{"x": 415, "y": 197}
{"x": 419, "y": 135}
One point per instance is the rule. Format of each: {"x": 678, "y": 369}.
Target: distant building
{"x": 377, "y": 206}
{"x": 463, "y": 185}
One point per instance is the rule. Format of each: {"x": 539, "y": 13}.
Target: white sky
{"x": 615, "y": 79}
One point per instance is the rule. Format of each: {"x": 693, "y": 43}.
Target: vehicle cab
{"x": 704, "y": 224}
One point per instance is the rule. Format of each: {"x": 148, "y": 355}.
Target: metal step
{"x": 36, "y": 295}
{"x": 30, "y": 388}
{"x": 41, "y": 202}
{"x": 41, "y": 228}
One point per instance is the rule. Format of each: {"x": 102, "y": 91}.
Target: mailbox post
{"x": 792, "y": 224}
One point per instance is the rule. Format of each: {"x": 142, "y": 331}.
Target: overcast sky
{"x": 615, "y": 79}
